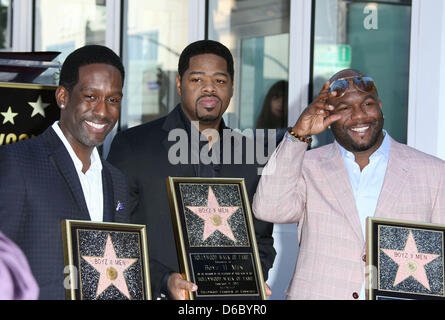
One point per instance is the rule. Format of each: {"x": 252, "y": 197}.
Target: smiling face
{"x": 205, "y": 89}
{"x": 91, "y": 109}
{"x": 361, "y": 123}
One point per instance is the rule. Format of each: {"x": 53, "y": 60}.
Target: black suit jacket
{"x": 39, "y": 187}
{"x": 142, "y": 154}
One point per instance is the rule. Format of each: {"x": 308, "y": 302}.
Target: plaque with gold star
{"x": 215, "y": 237}
{"x": 105, "y": 261}
{"x": 26, "y": 110}
{"x": 405, "y": 260}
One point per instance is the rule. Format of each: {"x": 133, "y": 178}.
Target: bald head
{"x": 345, "y": 73}
{"x": 350, "y": 73}
{"x": 360, "y": 127}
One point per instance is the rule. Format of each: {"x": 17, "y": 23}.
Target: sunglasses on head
{"x": 364, "y": 84}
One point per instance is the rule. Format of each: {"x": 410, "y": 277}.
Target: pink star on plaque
{"x": 215, "y": 217}
{"x": 411, "y": 262}
{"x": 111, "y": 269}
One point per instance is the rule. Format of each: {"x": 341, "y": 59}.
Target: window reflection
{"x": 66, "y": 25}
{"x": 370, "y": 36}
{"x": 154, "y": 35}
{"x": 5, "y": 24}
{"x": 274, "y": 111}
{"x": 257, "y": 34}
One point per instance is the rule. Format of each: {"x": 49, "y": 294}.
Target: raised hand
{"x": 318, "y": 115}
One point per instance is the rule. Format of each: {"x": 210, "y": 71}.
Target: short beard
{"x": 349, "y": 144}
{"x": 355, "y": 147}
{"x": 207, "y": 119}
{"x": 90, "y": 143}
{"x": 86, "y": 141}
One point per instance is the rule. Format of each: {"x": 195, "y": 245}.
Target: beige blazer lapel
{"x": 396, "y": 177}
{"x": 337, "y": 177}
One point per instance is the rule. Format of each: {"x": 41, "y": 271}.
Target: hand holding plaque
{"x": 178, "y": 287}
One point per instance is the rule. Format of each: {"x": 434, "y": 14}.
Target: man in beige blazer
{"x": 329, "y": 191}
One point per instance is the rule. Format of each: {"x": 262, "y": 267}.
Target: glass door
{"x": 257, "y": 34}
{"x": 155, "y": 33}
{"x": 370, "y": 36}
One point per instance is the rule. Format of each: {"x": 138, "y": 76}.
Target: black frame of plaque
{"x": 374, "y": 290}
{"x": 72, "y": 256}
{"x": 217, "y": 255}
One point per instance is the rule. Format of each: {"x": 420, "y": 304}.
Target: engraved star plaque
{"x": 107, "y": 261}
{"x": 405, "y": 260}
{"x": 215, "y": 217}
{"x": 215, "y": 238}
{"x": 411, "y": 262}
{"x": 111, "y": 269}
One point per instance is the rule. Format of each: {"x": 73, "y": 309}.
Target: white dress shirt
{"x": 91, "y": 180}
{"x": 367, "y": 184}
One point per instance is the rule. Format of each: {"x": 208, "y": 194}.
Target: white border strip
{"x": 197, "y": 20}
{"x": 299, "y": 57}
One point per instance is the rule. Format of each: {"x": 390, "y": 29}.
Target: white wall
{"x": 426, "y": 116}
{"x": 286, "y": 244}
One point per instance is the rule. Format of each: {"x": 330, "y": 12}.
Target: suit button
{"x": 364, "y": 258}
{"x": 355, "y": 295}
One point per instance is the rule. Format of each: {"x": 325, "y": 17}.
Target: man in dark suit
{"x": 147, "y": 155}
{"x": 59, "y": 174}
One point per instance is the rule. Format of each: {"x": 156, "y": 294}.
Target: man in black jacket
{"x": 59, "y": 174}
{"x": 147, "y": 154}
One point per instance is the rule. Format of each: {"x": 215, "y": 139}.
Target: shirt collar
{"x": 383, "y": 150}
{"x": 96, "y": 163}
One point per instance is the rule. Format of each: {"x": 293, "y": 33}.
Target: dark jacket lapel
{"x": 60, "y": 158}
{"x": 107, "y": 186}
{"x": 174, "y": 121}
